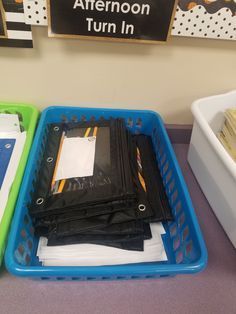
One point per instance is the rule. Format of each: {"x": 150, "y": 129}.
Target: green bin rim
{"x": 30, "y": 116}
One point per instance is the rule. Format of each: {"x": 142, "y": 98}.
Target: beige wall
{"x": 166, "y": 78}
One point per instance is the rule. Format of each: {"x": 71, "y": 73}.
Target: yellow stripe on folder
{"x": 87, "y": 132}
{"x": 57, "y": 161}
{"x": 61, "y": 186}
{"x": 95, "y": 131}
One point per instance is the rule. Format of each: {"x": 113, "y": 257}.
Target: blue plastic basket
{"x": 183, "y": 240}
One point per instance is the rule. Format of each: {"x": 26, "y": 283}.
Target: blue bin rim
{"x": 134, "y": 269}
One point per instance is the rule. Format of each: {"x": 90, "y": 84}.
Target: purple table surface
{"x": 212, "y": 291}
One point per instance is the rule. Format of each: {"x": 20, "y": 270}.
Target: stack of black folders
{"x": 98, "y": 184}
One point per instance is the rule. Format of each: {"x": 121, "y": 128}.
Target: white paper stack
{"x": 227, "y": 136}
{"x": 10, "y": 129}
{"x": 98, "y": 255}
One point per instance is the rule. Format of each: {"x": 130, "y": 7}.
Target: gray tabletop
{"x": 212, "y": 291}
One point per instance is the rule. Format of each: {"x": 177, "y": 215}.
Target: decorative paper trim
{"x": 18, "y": 33}
{"x": 36, "y": 12}
{"x": 199, "y": 18}
{"x": 211, "y": 6}
{"x": 197, "y": 22}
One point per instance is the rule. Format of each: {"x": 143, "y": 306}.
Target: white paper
{"x": 9, "y": 123}
{"x": 159, "y": 227}
{"x": 77, "y": 158}
{"x": 12, "y": 167}
{"x": 98, "y": 255}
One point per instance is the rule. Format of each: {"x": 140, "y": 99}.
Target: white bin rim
{"x": 229, "y": 163}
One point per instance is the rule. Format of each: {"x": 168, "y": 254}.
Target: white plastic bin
{"x": 213, "y": 167}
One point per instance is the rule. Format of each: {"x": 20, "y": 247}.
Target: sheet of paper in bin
{"x": 98, "y": 255}
{"x": 9, "y": 123}
{"x": 12, "y": 166}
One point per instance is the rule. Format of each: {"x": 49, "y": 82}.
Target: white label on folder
{"x": 77, "y": 158}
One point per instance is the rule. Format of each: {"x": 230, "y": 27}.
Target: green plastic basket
{"x": 29, "y": 119}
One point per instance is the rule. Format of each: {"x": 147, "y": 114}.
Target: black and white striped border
{"x": 18, "y": 33}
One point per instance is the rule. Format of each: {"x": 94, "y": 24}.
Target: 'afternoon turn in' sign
{"x": 145, "y": 20}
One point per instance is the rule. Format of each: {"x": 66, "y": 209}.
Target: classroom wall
{"x": 166, "y": 78}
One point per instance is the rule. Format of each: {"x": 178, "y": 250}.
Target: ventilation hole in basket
{"x": 101, "y": 118}
{"x": 166, "y": 167}
{"x": 176, "y": 243}
{"x": 139, "y": 123}
{"x": 44, "y": 138}
{"x": 60, "y": 278}
{"x": 40, "y": 154}
{"x": 173, "y": 230}
{"x": 74, "y": 119}
{"x": 91, "y": 278}
{"x": 181, "y": 220}
{"x": 174, "y": 196}
{"x": 171, "y": 185}
{"x": 21, "y": 249}
{"x": 178, "y": 208}
{"x": 179, "y": 257}
{"x": 163, "y": 159}
{"x": 83, "y": 118}
{"x": 155, "y": 150}
{"x": 34, "y": 184}
{"x": 64, "y": 118}
{"x": 154, "y": 131}
{"x": 26, "y": 219}
{"x": 106, "y": 278}
{"x": 36, "y": 171}
{"x": 27, "y": 259}
{"x": 161, "y": 150}
{"x": 168, "y": 176}
{"x": 155, "y": 147}
{"x": 120, "y": 277}
{"x": 135, "y": 277}
{"x": 23, "y": 234}
{"x": 149, "y": 276}
{"x": 31, "y": 196}
{"x": 30, "y": 244}
{"x": 45, "y": 278}
{"x": 189, "y": 248}
{"x": 130, "y": 122}
{"x": 157, "y": 140}
{"x": 75, "y": 278}
{"x": 185, "y": 233}
{"x": 162, "y": 276}
{"x": 32, "y": 231}
{"x": 92, "y": 118}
